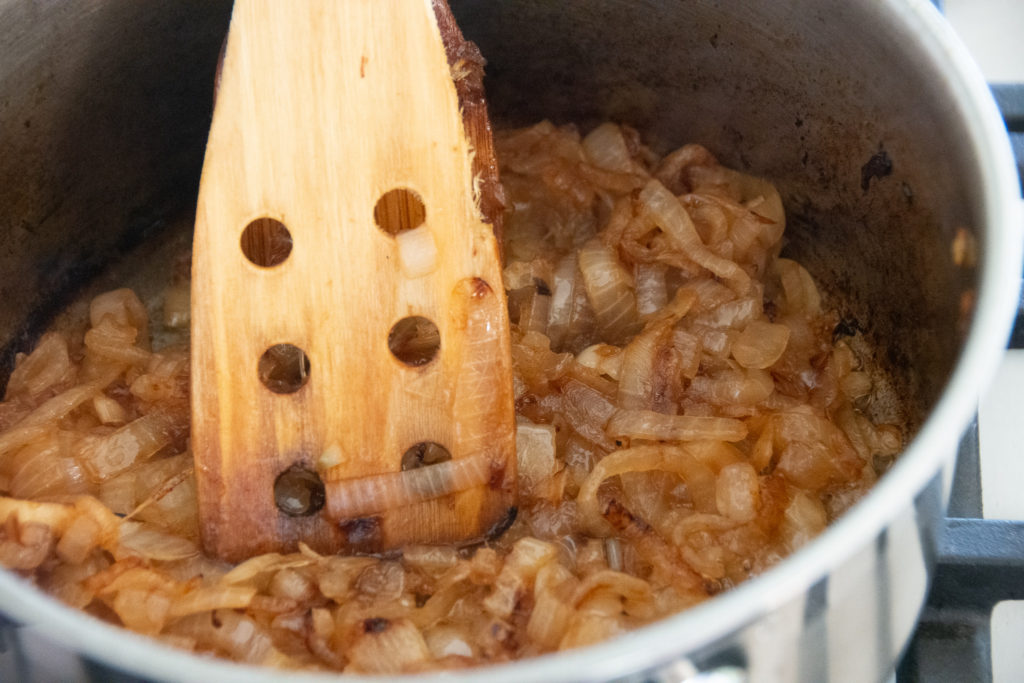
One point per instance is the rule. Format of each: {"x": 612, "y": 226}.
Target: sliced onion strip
{"x": 652, "y": 426}
{"x": 349, "y": 498}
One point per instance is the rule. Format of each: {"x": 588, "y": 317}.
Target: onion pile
{"x": 687, "y": 415}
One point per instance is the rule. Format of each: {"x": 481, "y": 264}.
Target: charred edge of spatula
{"x": 503, "y": 524}
{"x": 467, "y": 69}
{"x": 362, "y": 535}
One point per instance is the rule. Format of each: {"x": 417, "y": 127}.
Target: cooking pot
{"x": 868, "y": 115}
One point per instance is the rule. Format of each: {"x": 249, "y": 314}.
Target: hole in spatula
{"x": 414, "y": 340}
{"x": 284, "y": 368}
{"x": 399, "y": 210}
{"x": 299, "y": 492}
{"x": 424, "y": 453}
{"x": 266, "y": 242}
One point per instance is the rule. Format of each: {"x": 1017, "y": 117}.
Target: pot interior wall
{"x": 105, "y": 109}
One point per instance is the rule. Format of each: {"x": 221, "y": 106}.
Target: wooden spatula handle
{"x": 331, "y": 116}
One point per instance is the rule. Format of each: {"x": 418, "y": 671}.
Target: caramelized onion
{"x": 351, "y": 498}
{"x": 652, "y": 426}
{"x": 671, "y": 217}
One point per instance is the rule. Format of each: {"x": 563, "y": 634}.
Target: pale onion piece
{"x": 338, "y": 576}
{"x": 670, "y": 169}
{"x": 237, "y": 635}
{"x": 648, "y": 495}
{"x": 652, "y": 426}
{"x": 67, "y": 581}
{"x": 699, "y": 478}
{"x": 801, "y": 294}
{"x": 613, "y": 551}
{"x": 735, "y": 314}
{"x": 80, "y": 538}
{"x": 563, "y": 290}
{"x": 707, "y": 560}
{"x": 166, "y": 490}
{"x": 43, "y": 467}
{"x": 26, "y": 545}
{"x": 534, "y": 311}
{"x": 760, "y": 344}
{"x": 350, "y": 498}
{"x": 207, "y": 598}
{"x": 384, "y": 580}
{"x": 764, "y": 448}
{"x": 587, "y": 411}
{"x": 651, "y": 290}
{"x": 322, "y": 622}
{"x": 142, "y": 610}
{"x": 589, "y": 629}
{"x": 108, "y": 411}
{"x": 518, "y": 274}
{"x": 535, "y": 456}
{"x": 709, "y": 293}
{"x": 715, "y": 454}
{"x": 292, "y": 584}
{"x": 142, "y": 540}
{"x": 855, "y": 385}
{"x": 607, "y": 184}
{"x": 689, "y": 348}
{"x": 672, "y": 218}
{"x": 635, "y": 591}
{"x": 124, "y": 575}
{"x": 47, "y": 365}
{"x": 387, "y": 646}
{"x": 807, "y": 464}
{"x": 432, "y": 559}
{"x": 40, "y": 421}
{"x": 606, "y": 148}
{"x": 124, "y": 307}
{"x": 57, "y": 516}
{"x": 609, "y": 289}
{"x": 737, "y": 492}
{"x": 448, "y": 641}
{"x": 116, "y": 343}
{"x": 450, "y": 589}
{"x": 518, "y": 573}
{"x": 604, "y": 358}
{"x": 277, "y": 607}
{"x": 639, "y": 372}
{"x": 761, "y": 197}
{"x": 417, "y": 252}
{"x": 733, "y": 387}
{"x": 804, "y": 519}
{"x": 700, "y": 522}
{"x": 331, "y": 457}
{"x": 888, "y": 439}
{"x": 155, "y": 388}
{"x": 103, "y": 457}
{"x": 549, "y": 619}
{"x": 583, "y": 321}
{"x": 636, "y": 459}
{"x": 263, "y": 564}
{"x": 177, "y": 309}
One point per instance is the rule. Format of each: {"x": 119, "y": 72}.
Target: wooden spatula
{"x": 351, "y": 381}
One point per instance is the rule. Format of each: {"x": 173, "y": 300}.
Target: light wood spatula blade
{"x": 337, "y": 127}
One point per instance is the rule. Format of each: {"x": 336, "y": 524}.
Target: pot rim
{"x": 673, "y": 637}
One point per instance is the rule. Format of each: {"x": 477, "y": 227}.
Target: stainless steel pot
{"x": 868, "y": 114}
